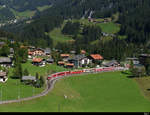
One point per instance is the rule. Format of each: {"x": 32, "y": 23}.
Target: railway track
{"x": 49, "y": 86}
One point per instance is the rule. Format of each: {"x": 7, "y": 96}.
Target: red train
{"x": 92, "y": 70}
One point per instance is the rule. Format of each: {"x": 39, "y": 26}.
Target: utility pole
{"x": 18, "y": 91}
{"x": 33, "y": 91}
{"x": 58, "y": 107}
{"x": 1, "y": 93}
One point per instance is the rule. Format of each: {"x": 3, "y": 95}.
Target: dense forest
{"x": 23, "y": 5}
{"x": 34, "y": 33}
{"x": 100, "y": 8}
{"x": 133, "y": 18}
{"x": 6, "y": 14}
{"x": 10, "y": 9}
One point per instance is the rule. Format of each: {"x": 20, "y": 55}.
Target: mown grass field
{"x": 109, "y": 27}
{"x": 57, "y": 36}
{"x": 42, "y": 8}
{"x": 105, "y": 92}
{"x": 25, "y": 14}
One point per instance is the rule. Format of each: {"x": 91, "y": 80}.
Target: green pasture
{"x": 41, "y": 70}
{"x": 57, "y": 36}
{"x": 109, "y": 27}
{"x": 104, "y": 92}
{"x": 13, "y": 89}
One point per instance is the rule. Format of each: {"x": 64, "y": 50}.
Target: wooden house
{"x": 79, "y": 61}
{"x": 3, "y": 77}
{"x": 61, "y": 63}
{"x": 5, "y": 61}
{"x": 112, "y": 63}
{"x": 95, "y": 58}
{"x": 50, "y": 61}
{"x": 37, "y": 61}
{"x": 65, "y": 57}
{"x": 47, "y": 51}
{"x": 69, "y": 65}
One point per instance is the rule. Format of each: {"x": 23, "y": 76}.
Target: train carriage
{"x": 92, "y": 70}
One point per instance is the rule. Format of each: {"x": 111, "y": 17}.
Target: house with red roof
{"x": 61, "y": 63}
{"x": 96, "y": 58}
{"x": 64, "y": 55}
{"x": 37, "y": 61}
{"x": 69, "y": 65}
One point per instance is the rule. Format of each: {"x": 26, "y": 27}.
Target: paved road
{"x": 49, "y": 87}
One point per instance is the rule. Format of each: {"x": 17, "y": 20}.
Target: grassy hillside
{"x": 25, "y": 14}
{"x": 10, "y": 89}
{"x": 42, "y": 8}
{"x": 105, "y": 92}
{"x": 109, "y": 27}
{"x": 57, "y": 36}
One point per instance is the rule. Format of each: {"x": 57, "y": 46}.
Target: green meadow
{"x": 13, "y": 89}
{"x": 41, "y": 70}
{"x": 104, "y": 92}
{"x": 57, "y": 36}
{"x": 25, "y": 14}
{"x": 109, "y": 27}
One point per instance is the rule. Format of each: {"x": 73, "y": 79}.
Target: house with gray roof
{"x": 2, "y": 44}
{"x": 25, "y": 78}
{"x": 79, "y": 61}
{"x": 11, "y": 50}
{"x": 47, "y": 51}
{"x": 111, "y": 63}
{"x": 134, "y": 60}
{"x": 50, "y": 60}
{"x": 5, "y": 61}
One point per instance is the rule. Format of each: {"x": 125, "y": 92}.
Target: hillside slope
{"x": 11, "y": 9}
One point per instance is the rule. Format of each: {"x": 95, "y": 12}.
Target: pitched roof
{"x": 145, "y": 55}
{"x": 111, "y": 63}
{"x": 2, "y": 43}
{"x": 38, "y": 60}
{"x": 64, "y": 55}
{"x": 2, "y": 74}
{"x": 83, "y": 52}
{"x": 96, "y": 56}
{"x": 69, "y": 64}
{"x": 11, "y": 50}
{"x": 47, "y": 50}
{"x": 78, "y": 57}
{"x": 61, "y": 62}
{"x": 50, "y": 60}
{"x": 5, "y": 60}
{"x": 28, "y": 78}
{"x": 30, "y": 53}
{"x": 73, "y": 52}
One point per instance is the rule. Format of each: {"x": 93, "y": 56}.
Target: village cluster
{"x": 41, "y": 57}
